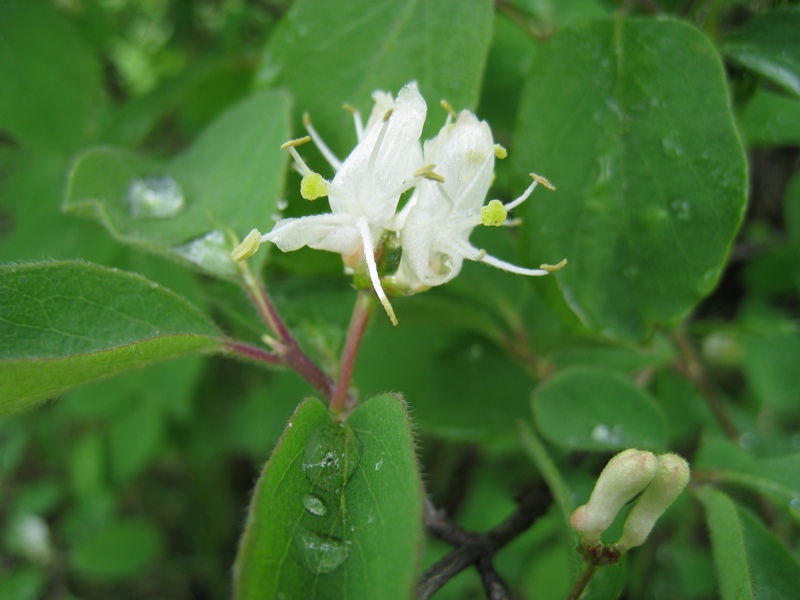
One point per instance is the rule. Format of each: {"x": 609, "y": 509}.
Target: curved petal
{"x": 334, "y": 233}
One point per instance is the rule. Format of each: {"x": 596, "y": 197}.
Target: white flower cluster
{"x": 450, "y": 174}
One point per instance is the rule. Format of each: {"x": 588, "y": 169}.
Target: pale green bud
{"x": 671, "y": 477}
{"x": 625, "y": 475}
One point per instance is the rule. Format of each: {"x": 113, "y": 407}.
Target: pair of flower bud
{"x": 660, "y": 479}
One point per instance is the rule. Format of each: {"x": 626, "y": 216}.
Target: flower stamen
{"x": 372, "y": 267}
{"x": 332, "y": 159}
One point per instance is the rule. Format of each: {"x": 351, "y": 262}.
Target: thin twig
{"x": 341, "y": 401}
{"x": 479, "y": 549}
{"x": 693, "y": 369}
{"x": 583, "y": 580}
{"x": 254, "y": 353}
{"x": 290, "y": 352}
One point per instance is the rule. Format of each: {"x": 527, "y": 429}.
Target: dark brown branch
{"x": 478, "y": 549}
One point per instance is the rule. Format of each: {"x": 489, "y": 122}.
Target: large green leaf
{"x": 594, "y": 409}
{"x": 373, "y": 45}
{"x": 751, "y": 562}
{"x": 631, "y": 120}
{"x": 769, "y": 44}
{"x": 51, "y": 91}
{"x": 230, "y": 180}
{"x": 68, "y": 323}
{"x": 337, "y": 512}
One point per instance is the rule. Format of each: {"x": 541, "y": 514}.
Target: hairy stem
{"x": 362, "y": 311}
{"x": 254, "y": 353}
{"x": 288, "y": 350}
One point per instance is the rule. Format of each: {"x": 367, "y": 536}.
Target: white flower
{"x": 366, "y": 188}
{"x": 440, "y": 216}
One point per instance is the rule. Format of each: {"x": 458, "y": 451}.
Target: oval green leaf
{"x": 337, "y": 511}
{"x": 442, "y": 45}
{"x": 68, "y": 323}
{"x": 228, "y": 181}
{"x": 52, "y": 90}
{"x": 595, "y": 409}
{"x": 631, "y": 120}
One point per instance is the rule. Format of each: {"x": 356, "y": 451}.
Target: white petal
{"x": 464, "y": 155}
{"x": 334, "y": 233}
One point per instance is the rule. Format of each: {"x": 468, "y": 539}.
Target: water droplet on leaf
{"x": 671, "y": 146}
{"x": 607, "y": 435}
{"x": 315, "y": 505}
{"x": 682, "y": 209}
{"x": 320, "y": 554}
{"x": 155, "y": 197}
{"x": 211, "y": 252}
{"x": 331, "y": 456}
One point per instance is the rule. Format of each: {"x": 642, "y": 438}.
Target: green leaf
{"x": 117, "y": 550}
{"x": 52, "y": 87}
{"x": 630, "y": 119}
{"x": 771, "y": 119}
{"x": 769, "y": 45}
{"x": 314, "y": 533}
{"x": 68, "y": 323}
{"x": 770, "y": 365}
{"x": 377, "y": 45}
{"x": 594, "y": 409}
{"x": 751, "y": 562}
{"x": 776, "y": 477}
{"x": 230, "y": 181}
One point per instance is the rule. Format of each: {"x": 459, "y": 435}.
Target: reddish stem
{"x": 254, "y": 353}
{"x": 362, "y": 311}
{"x": 290, "y": 353}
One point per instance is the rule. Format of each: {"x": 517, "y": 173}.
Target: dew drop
{"x": 671, "y": 146}
{"x": 747, "y": 439}
{"x": 331, "y": 456}
{"x": 282, "y": 204}
{"x": 315, "y": 505}
{"x": 794, "y": 508}
{"x": 320, "y": 554}
{"x": 211, "y": 252}
{"x": 607, "y": 435}
{"x": 682, "y": 209}
{"x": 155, "y": 197}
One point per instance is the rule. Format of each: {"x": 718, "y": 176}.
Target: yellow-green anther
{"x": 248, "y": 247}
{"x": 295, "y": 143}
{"x": 555, "y": 267}
{"x": 541, "y": 180}
{"x": 671, "y": 477}
{"x": 388, "y": 114}
{"x": 500, "y": 152}
{"x": 493, "y": 214}
{"x": 428, "y": 172}
{"x": 313, "y": 186}
{"x": 449, "y": 108}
